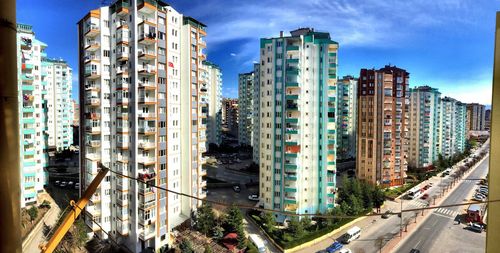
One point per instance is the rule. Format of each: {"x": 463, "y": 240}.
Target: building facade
{"x": 32, "y": 113}
{"x": 256, "y": 114}
{"x": 230, "y": 115}
{"x": 487, "y": 119}
{"x": 212, "y": 86}
{"x": 59, "y": 103}
{"x": 475, "y": 117}
{"x": 383, "y": 121}
{"x": 298, "y": 76}
{"x": 424, "y": 126}
{"x": 76, "y": 113}
{"x": 452, "y": 127}
{"x": 347, "y": 89}
{"x": 245, "y": 108}
{"x": 141, "y": 115}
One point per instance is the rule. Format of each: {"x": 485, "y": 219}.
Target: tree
{"x": 306, "y": 222}
{"x": 269, "y": 222}
{"x": 355, "y": 205}
{"x": 186, "y": 246}
{"x": 97, "y": 245}
{"x": 33, "y": 213}
{"x": 205, "y": 218}
{"x": 218, "y": 232}
{"x": 378, "y": 197}
{"x": 367, "y": 196}
{"x": 295, "y": 227}
{"x": 233, "y": 219}
{"x": 242, "y": 240}
{"x": 336, "y": 212}
{"x": 208, "y": 249}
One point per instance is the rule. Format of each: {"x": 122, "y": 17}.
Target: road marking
{"x": 442, "y": 215}
{"x": 416, "y": 245}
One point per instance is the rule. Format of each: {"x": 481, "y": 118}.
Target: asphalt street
{"x": 440, "y": 232}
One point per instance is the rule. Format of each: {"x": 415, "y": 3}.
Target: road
{"x": 440, "y": 232}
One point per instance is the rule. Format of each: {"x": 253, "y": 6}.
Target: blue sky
{"x": 447, "y": 44}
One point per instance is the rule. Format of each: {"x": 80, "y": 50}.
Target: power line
{"x": 242, "y": 206}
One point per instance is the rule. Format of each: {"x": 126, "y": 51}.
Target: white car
{"x": 77, "y": 186}
{"x": 63, "y": 184}
{"x": 253, "y": 197}
{"x": 345, "y": 250}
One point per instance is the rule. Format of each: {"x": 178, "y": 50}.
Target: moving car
{"x": 386, "y": 215}
{"x": 334, "y": 247}
{"x": 236, "y": 188}
{"x": 351, "y": 235}
{"x": 253, "y": 197}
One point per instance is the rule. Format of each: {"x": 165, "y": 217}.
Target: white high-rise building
{"x": 32, "y": 116}
{"x": 452, "y": 127}
{"x": 245, "y": 107}
{"x": 141, "y": 116}
{"x": 256, "y": 113}
{"x": 298, "y": 92}
{"x": 347, "y": 90}
{"x": 212, "y": 95}
{"x": 424, "y": 123}
{"x": 59, "y": 103}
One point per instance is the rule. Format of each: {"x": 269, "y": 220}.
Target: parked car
{"x": 478, "y": 198}
{"x": 77, "y": 186}
{"x": 386, "y": 215}
{"x": 334, "y": 247}
{"x": 475, "y": 227}
{"x": 57, "y": 183}
{"x": 425, "y": 196}
{"x": 346, "y": 250}
{"x": 253, "y": 197}
{"x": 414, "y": 251}
{"x": 236, "y": 188}
{"x": 63, "y": 184}
{"x": 70, "y": 184}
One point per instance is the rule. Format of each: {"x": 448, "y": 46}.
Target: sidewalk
{"x": 36, "y": 237}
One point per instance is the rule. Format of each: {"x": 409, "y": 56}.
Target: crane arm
{"x": 74, "y": 212}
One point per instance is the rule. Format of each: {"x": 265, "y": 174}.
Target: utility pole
{"x": 10, "y": 188}
{"x": 401, "y": 219}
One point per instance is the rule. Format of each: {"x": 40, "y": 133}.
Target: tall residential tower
{"x": 347, "y": 89}
{"x": 383, "y": 104}
{"x": 212, "y": 87}
{"x": 452, "y": 127}
{"x": 298, "y": 76}
{"x": 424, "y": 126}
{"x": 245, "y": 108}
{"x": 141, "y": 115}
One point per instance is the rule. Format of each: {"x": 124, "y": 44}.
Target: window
{"x": 106, "y": 53}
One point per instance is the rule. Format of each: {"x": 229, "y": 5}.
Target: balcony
{"x": 122, "y": 129}
{"x": 93, "y": 129}
{"x": 122, "y": 56}
{"x": 147, "y": 130}
{"x": 146, "y": 100}
{"x": 145, "y": 190}
{"x": 147, "y": 85}
{"x": 123, "y": 187}
{"x": 92, "y": 74}
{"x": 92, "y": 30}
{"x": 122, "y": 144}
{"x": 27, "y": 78}
{"x": 93, "y": 143}
{"x": 146, "y": 160}
{"x": 147, "y": 115}
{"x": 148, "y": 70}
{"x": 92, "y": 101}
{"x": 122, "y": 71}
{"x": 92, "y": 46}
{"x": 147, "y": 233}
{"x": 122, "y": 100}
{"x": 93, "y": 115}
{"x": 147, "y": 38}
{"x": 146, "y": 55}
{"x": 122, "y": 158}
{"x": 147, "y": 145}
{"x": 122, "y": 226}
{"x": 292, "y": 48}
{"x": 145, "y": 206}
{"x": 147, "y": 174}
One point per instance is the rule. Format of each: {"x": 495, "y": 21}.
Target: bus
{"x": 414, "y": 193}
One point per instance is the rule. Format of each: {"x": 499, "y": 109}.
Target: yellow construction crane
{"x": 76, "y": 209}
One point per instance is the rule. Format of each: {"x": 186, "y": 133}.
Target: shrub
{"x": 33, "y": 213}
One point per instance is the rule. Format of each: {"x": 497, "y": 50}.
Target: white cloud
{"x": 367, "y": 23}
{"x": 471, "y": 90}
{"x": 232, "y": 54}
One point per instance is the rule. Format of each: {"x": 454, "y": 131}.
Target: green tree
{"x": 355, "y": 205}
{"x": 218, "y": 232}
{"x": 306, "y": 222}
{"x": 33, "y": 213}
{"x": 80, "y": 233}
{"x": 269, "y": 222}
{"x": 337, "y": 211}
{"x": 186, "y": 246}
{"x": 378, "y": 197}
{"x": 242, "y": 240}
{"x": 367, "y": 190}
{"x": 345, "y": 191}
{"x": 205, "y": 218}
{"x": 295, "y": 227}
{"x": 208, "y": 249}
{"x": 356, "y": 188}
{"x": 233, "y": 219}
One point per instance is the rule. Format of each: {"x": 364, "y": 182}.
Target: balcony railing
{"x": 147, "y": 129}
{"x": 143, "y": 99}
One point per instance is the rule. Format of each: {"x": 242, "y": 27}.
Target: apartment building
{"x": 298, "y": 77}
{"x": 383, "y": 121}
{"x": 424, "y": 126}
{"x": 230, "y": 115}
{"x": 58, "y": 78}
{"x": 76, "y": 113}
{"x": 32, "y": 116}
{"x": 245, "y": 108}
{"x": 227, "y": 104}
{"x": 475, "y": 117}
{"x": 141, "y": 115}
{"x": 452, "y": 127}
{"x": 256, "y": 114}
{"x": 347, "y": 89}
{"x": 212, "y": 95}
{"x": 487, "y": 119}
